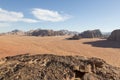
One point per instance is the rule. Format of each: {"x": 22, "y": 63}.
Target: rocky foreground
{"x": 52, "y": 67}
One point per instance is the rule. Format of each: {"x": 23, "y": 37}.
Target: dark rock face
{"x": 52, "y": 67}
{"x": 87, "y": 34}
{"x": 91, "y": 34}
{"x": 115, "y": 35}
{"x": 75, "y": 37}
{"x": 40, "y": 32}
{"x": 69, "y": 32}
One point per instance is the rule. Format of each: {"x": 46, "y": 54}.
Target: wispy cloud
{"x": 7, "y": 17}
{"x": 4, "y": 24}
{"x": 11, "y": 16}
{"x": 49, "y": 15}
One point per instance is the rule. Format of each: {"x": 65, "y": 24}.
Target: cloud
{"x": 29, "y": 20}
{"x": 11, "y": 16}
{"x": 48, "y": 15}
{"x": 4, "y": 24}
{"x": 40, "y": 15}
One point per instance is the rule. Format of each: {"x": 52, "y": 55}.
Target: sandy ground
{"x": 109, "y": 51}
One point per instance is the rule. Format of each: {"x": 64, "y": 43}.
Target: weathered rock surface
{"x": 115, "y": 35}
{"x": 75, "y": 37}
{"x": 52, "y": 67}
{"x": 41, "y": 32}
{"x": 91, "y": 34}
{"x": 87, "y": 34}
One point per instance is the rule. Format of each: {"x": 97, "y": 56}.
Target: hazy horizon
{"x": 71, "y": 15}
{"x": 52, "y": 29}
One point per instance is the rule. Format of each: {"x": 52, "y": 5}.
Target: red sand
{"x": 12, "y": 45}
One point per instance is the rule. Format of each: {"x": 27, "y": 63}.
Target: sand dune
{"x": 12, "y": 45}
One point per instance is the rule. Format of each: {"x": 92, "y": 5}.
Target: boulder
{"x": 54, "y": 67}
{"x": 115, "y": 35}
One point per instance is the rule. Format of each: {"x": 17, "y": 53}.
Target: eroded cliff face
{"x": 91, "y": 34}
{"x": 52, "y": 67}
{"x": 40, "y": 32}
{"x": 87, "y": 34}
{"x": 115, "y": 35}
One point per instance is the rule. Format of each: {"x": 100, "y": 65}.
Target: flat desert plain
{"x": 100, "y": 48}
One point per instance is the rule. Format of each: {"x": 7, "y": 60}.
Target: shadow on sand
{"x": 104, "y": 44}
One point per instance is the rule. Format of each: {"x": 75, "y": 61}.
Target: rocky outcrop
{"x": 52, "y": 67}
{"x": 87, "y": 34}
{"x": 69, "y": 32}
{"x": 115, "y": 35}
{"x": 41, "y": 32}
{"x": 91, "y": 34}
{"x": 75, "y": 37}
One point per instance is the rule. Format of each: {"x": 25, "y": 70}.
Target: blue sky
{"x": 75, "y": 15}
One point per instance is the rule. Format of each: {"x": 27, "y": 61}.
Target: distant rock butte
{"x": 87, "y": 34}
{"x": 115, "y": 35}
{"x": 52, "y": 67}
{"x": 74, "y": 37}
{"x": 91, "y": 34}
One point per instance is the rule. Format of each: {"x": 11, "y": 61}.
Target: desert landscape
{"x": 58, "y": 45}
{"x": 59, "y": 55}
{"x": 58, "y": 58}
{"x": 59, "y": 40}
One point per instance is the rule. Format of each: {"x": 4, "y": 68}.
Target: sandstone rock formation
{"x": 52, "y": 67}
{"x": 75, "y": 37}
{"x": 40, "y": 32}
{"x": 87, "y": 34}
{"x": 115, "y": 35}
{"x": 69, "y": 32}
{"x": 91, "y": 34}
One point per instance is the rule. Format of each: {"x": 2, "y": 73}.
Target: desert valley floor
{"x": 107, "y": 50}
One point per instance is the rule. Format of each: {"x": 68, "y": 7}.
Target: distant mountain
{"x": 69, "y": 32}
{"x": 40, "y": 32}
{"x": 14, "y": 32}
{"x": 87, "y": 34}
{"x": 106, "y": 34}
{"x": 91, "y": 34}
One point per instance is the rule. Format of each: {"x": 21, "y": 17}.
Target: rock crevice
{"x": 52, "y": 67}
